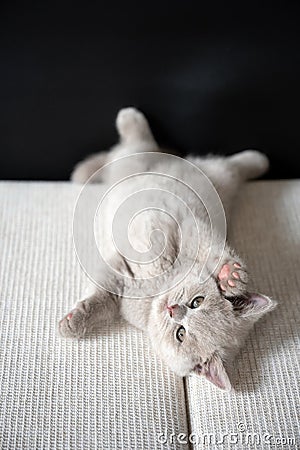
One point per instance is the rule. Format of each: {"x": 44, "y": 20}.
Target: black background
{"x": 210, "y": 76}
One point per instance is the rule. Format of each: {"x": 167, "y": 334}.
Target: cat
{"x": 192, "y": 299}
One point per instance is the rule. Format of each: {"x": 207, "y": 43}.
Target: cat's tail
{"x": 250, "y": 163}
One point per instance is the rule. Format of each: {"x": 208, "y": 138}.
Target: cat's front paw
{"x": 232, "y": 279}
{"x": 73, "y": 325}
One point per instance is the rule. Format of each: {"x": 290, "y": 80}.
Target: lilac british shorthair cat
{"x": 192, "y": 299}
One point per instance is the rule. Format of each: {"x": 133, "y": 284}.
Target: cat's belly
{"x": 148, "y": 245}
{"x": 148, "y": 219}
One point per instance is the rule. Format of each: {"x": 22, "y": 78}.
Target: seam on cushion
{"x": 188, "y": 413}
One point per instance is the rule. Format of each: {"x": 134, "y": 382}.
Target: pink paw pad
{"x": 227, "y": 276}
{"x": 224, "y": 272}
{"x": 69, "y": 316}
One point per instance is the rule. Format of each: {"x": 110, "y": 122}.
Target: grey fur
{"x": 216, "y": 329}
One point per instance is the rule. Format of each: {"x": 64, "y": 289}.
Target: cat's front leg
{"x": 232, "y": 278}
{"x": 230, "y": 274}
{"x": 99, "y": 307}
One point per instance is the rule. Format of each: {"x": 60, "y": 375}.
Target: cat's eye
{"x": 196, "y": 302}
{"x": 180, "y": 333}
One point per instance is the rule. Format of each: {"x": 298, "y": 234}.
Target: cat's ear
{"x": 214, "y": 371}
{"x": 255, "y": 305}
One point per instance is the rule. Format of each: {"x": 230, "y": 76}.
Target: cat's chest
{"x": 136, "y": 309}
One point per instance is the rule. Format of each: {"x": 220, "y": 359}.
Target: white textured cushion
{"x": 264, "y": 408}
{"x": 108, "y": 392}
{"x": 111, "y": 391}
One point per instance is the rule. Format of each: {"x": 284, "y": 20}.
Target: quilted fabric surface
{"x": 111, "y": 391}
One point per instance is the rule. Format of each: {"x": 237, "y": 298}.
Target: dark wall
{"x": 210, "y": 76}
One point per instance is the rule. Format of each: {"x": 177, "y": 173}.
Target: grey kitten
{"x": 170, "y": 274}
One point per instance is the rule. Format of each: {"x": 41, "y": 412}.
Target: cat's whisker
{"x": 165, "y": 326}
{"x": 179, "y": 298}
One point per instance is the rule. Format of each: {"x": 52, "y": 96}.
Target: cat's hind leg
{"x": 249, "y": 163}
{"x": 133, "y": 127}
{"x": 135, "y": 137}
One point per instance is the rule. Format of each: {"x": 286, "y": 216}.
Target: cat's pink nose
{"x": 171, "y": 309}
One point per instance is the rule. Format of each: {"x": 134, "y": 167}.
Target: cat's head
{"x": 195, "y": 329}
